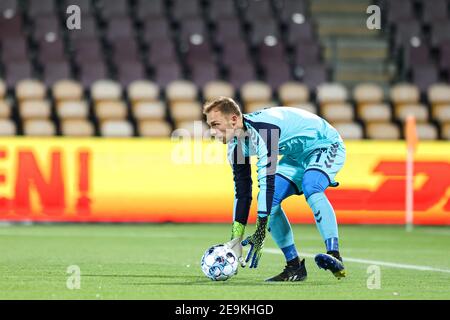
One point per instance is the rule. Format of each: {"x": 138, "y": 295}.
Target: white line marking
{"x": 363, "y": 261}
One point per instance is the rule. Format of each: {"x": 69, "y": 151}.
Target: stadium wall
{"x": 147, "y": 180}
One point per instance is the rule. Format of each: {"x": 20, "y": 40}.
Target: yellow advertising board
{"x": 146, "y": 180}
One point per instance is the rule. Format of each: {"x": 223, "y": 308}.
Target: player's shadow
{"x": 202, "y": 281}
{"x": 138, "y": 276}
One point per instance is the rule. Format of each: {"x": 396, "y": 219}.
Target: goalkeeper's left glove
{"x": 256, "y": 241}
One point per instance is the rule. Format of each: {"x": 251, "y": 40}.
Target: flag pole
{"x": 411, "y": 145}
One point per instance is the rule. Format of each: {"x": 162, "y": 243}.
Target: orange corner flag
{"x": 411, "y": 133}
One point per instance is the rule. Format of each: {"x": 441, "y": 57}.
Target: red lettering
{"x": 84, "y": 202}
{"x": 390, "y": 195}
{"x": 50, "y": 191}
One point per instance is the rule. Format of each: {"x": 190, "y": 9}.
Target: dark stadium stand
{"x": 120, "y": 74}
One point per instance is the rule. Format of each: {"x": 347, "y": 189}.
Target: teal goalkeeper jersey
{"x": 268, "y": 133}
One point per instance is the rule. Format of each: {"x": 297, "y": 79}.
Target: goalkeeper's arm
{"x": 242, "y": 202}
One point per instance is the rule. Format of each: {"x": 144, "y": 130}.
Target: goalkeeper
{"x": 313, "y": 152}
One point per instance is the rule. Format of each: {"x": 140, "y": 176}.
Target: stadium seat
{"x": 444, "y": 53}
{"x": 383, "y": 131}
{"x": 307, "y": 53}
{"x": 8, "y": 7}
{"x": 106, "y": 90}
{"x": 54, "y": 71}
{"x": 436, "y": 10}
{"x": 34, "y": 109}
{"x": 440, "y": 32}
{"x": 338, "y": 112}
{"x": 241, "y": 74}
{"x": 30, "y": 89}
{"x": 228, "y": 31}
{"x": 5, "y": 109}
{"x": 439, "y": 94}
{"x": 426, "y": 131}
{"x": 2, "y": 89}
{"x": 17, "y": 71}
{"x": 69, "y": 100}
{"x": 299, "y": 31}
{"x": 349, "y": 130}
{"x": 445, "y": 131}
{"x": 42, "y": 7}
{"x": 7, "y": 127}
{"x": 182, "y": 9}
{"x": 156, "y": 28}
{"x": 186, "y": 111}
{"x": 116, "y": 128}
{"x": 149, "y": 10}
{"x": 221, "y": 9}
{"x": 39, "y": 128}
{"x": 109, "y": 10}
{"x": 217, "y": 88}
{"x": 255, "y": 94}
{"x": 77, "y": 128}
{"x": 167, "y": 72}
{"x": 84, "y": 5}
{"x": 156, "y": 129}
{"x": 111, "y": 110}
{"x": 143, "y": 91}
{"x": 419, "y": 111}
{"x": 91, "y": 72}
{"x": 331, "y": 93}
{"x": 14, "y": 49}
{"x": 202, "y": 73}
{"x": 402, "y": 93}
{"x": 145, "y": 103}
{"x": 149, "y": 110}
{"x": 72, "y": 109}
{"x": 372, "y": 112}
{"x": 129, "y": 71}
{"x": 67, "y": 90}
{"x": 366, "y": 93}
{"x": 46, "y": 28}
{"x": 181, "y": 91}
{"x": 423, "y": 76}
{"x": 441, "y": 113}
{"x": 51, "y": 51}
{"x": 11, "y": 24}
{"x": 293, "y": 93}
{"x": 291, "y": 10}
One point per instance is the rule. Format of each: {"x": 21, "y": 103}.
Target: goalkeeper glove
{"x": 256, "y": 242}
{"x": 237, "y": 233}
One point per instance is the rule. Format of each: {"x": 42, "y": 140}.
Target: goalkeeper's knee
{"x": 314, "y": 181}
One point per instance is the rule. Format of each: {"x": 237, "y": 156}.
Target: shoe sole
{"x": 287, "y": 280}
{"x": 327, "y": 262}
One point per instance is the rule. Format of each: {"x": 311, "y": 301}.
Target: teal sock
{"x": 324, "y": 215}
{"x": 282, "y": 233}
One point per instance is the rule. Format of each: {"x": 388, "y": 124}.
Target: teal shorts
{"x": 328, "y": 159}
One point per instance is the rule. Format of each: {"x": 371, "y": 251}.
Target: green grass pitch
{"x": 152, "y": 261}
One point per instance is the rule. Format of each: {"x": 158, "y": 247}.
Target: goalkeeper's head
{"x": 224, "y": 117}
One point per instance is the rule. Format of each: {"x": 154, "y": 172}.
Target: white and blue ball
{"x": 219, "y": 263}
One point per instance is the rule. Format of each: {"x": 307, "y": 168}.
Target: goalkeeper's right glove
{"x": 237, "y": 233}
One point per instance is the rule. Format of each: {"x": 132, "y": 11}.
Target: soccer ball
{"x": 219, "y": 263}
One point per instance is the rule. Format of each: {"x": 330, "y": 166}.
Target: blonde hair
{"x": 223, "y": 104}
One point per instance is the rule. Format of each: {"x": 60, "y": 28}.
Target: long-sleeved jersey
{"x": 269, "y": 133}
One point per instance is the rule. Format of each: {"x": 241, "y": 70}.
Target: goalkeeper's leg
{"x": 282, "y": 234}
{"x": 314, "y": 184}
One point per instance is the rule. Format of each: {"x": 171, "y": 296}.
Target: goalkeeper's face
{"x": 224, "y": 127}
